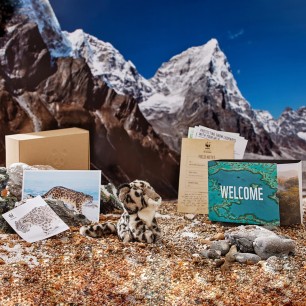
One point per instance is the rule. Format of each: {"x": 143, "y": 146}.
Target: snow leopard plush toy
{"x": 137, "y": 223}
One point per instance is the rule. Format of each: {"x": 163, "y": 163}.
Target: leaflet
{"x": 201, "y": 132}
{"x": 193, "y": 184}
{"x": 35, "y": 220}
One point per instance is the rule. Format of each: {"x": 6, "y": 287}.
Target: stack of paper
{"x": 203, "y": 144}
{"x": 202, "y": 132}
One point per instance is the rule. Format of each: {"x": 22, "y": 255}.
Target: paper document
{"x": 35, "y": 220}
{"x": 193, "y": 184}
{"x": 201, "y": 132}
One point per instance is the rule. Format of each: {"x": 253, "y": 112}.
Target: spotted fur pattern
{"x": 137, "y": 223}
{"x": 40, "y": 216}
{"x": 71, "y": 198}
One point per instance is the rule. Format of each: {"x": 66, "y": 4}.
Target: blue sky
{"x": 264, "y": 40}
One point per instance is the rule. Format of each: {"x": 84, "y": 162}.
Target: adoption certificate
{"x": 193, "y": 184}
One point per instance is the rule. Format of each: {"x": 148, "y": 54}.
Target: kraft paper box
{"x": 255, "y": 192}
{"x": 64, "y": 149}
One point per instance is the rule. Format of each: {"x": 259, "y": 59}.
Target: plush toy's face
{"x": 138, "y": 195}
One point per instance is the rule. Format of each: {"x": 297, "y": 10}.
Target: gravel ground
{"x": 73, "y": 270}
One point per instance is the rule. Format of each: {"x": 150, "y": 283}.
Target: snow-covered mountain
{"x": 103, "y": 59}
{"x": 41, "y": 13}
{"x": 198, "y": 87}
{"x": 289, "y": 131}
{"x": 194, "y": 87}
{"x": 106, "y": 62}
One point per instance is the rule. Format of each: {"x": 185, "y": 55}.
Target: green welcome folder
{"x": 255, "y": 192}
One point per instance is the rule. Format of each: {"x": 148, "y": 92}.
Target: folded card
{"x": 255, "y": 192}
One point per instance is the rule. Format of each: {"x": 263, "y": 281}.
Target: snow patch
{"x": 302, "y": 135}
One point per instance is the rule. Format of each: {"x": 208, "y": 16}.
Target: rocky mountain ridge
{"x": 194, "y": 87}
{"x": 40, "y": 92}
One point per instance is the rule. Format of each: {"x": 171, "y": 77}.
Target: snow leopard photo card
{"x": 35, "y": 220}
{"x": 78, "y": 189}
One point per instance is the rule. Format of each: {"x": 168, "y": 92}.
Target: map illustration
{"x": 243, "y": 192}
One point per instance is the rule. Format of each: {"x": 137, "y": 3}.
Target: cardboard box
{"x": 65, "y": 149}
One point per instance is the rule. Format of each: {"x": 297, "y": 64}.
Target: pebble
{"x": 211, "y": 254}
{"x": 230, "y": 256}
{"x": 219, "y": 262}
{"x": 189, "y": 216}
{"x": 221, "y": 245}
{"x": 248, "y": 258}
{"x": 218, "y": 236}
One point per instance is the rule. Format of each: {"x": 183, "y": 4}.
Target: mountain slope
{"x": 40, "y": 92}
{"x": 197, "y": 87}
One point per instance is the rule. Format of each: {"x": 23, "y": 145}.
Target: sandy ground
{"x": 73, "y": 270}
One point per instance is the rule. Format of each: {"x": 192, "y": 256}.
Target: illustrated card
{"x": 35, "y": 220}
{"x": 289, "y": 176}
{"x": 243, "y": 192}
{"x": 78, "y": 189}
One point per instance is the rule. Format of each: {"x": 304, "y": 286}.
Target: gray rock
{"x": 15, "y": 172}
{"x": 266, "y": 247}
{"x": 6, "y": 204}
{"x": 3, "y": 178}
{"x": 259, "y": 240}
{"x": 221, "y": 245}
{"x": 66, "y": 214}
{"x": 244, "y": 236}
{"x": 245, "y": 245}
{"x": 211, "y": 254}
{"x": 248, "y": 258}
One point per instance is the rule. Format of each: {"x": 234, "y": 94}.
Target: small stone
{"x": 2, "y": 262}
{"x": 219, "y": 262}
{"x": 189, "y": 216}
{"x": 210, "y": 254}
{"x": 3, "y": 179}
{"x": 218, "y": 236}
{"x": 221, "y": 245}
{"x": 247, "y": 258}
{"x": 266, "y": 247}
{"x": 245, "y": 245}
{"x": 230, "y": 256}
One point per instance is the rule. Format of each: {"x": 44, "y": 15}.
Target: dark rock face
{"x": 214, "y": 110}
{"x": 291, "y": 134}
{"x": 41, "y": 93}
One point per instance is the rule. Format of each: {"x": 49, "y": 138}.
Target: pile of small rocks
{"x": 247, "y": 244}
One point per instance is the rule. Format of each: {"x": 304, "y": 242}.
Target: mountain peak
{"x": 193, "y": 65}
{"x": 212, "y": 43}
{"x": 41, "y": 12}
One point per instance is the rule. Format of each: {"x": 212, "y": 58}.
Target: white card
{"x": 35, "y": 220}
{"x": 207, "y": 133}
